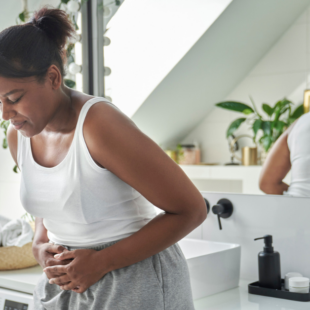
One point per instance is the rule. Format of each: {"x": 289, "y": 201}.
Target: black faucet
{"x": 224, "y": 209}
{"x": 207, "y": 205}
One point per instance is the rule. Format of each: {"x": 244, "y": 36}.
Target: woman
{"x": 91, "y": 178}
{"x": 291, "y": 151}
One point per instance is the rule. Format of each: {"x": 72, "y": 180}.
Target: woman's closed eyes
{"x": 13, "y": 102}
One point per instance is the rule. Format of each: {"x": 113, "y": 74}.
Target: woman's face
{"x": 28, "y": 102}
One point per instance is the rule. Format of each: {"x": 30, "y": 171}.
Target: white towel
{"x": 3, "y": 221}
{"x": 16, "y": 233}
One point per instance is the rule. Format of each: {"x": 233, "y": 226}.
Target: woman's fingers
{"x": 65, "y": 255}
{"x": 73, "y": 287}
{"x": 58, "y": 269}
{"x": 62, "y": 280}
{"x": 56, "y": 249}
{"x": 52, "y": 273}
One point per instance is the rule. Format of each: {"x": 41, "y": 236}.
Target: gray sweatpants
{"x": 160, "y": 282}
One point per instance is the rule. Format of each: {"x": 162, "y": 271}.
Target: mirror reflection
{"x": 221, "y": 109}
{"x": 220, "y": 100}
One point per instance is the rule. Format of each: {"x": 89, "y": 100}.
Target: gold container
{"x": 249, "y": 156}
{"x": 172, "y": 154}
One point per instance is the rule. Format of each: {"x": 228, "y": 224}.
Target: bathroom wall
{"x": 10, "y": 205}
{"x": 281, "y": 72}
{"x": 285, "y": 218}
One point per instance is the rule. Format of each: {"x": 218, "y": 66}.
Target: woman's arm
{"x": 40, "y": 236}
{"x": 117, "y": 144}
{"x": 276, "y": 166}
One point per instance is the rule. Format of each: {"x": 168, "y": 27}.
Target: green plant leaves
{"x": 15, "y": 169}
{"x": 268, "y": 109}
{"x": 266, "y": 142}
{"x": 266, "y": 126}
{"x": 272, "y": 128}
{"x": 234, "y": 126}
{"x": 70, "y": 59}
{"x": 4, "y": 143}
{"x": 256, "y": 127}
{"x": 22, "y": 16}
{"x": 5, "y": 126}
{"x": 69, "y": 83}
{"x": 281, "y": 107}
{"x": 74, "y": 23}
{"x": 235, "y": 106}
{"x": 279, "y": 126}
{"x": 299, "y": 111}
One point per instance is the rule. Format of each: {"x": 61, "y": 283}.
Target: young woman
{"x": 290, "y": 152}
{"x": 91, "y": 178}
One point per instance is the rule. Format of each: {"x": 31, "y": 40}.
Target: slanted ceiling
{"x": 214, "y": 65}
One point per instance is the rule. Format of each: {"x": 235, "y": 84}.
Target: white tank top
{"x": 81, "y": 203}
{"x": 299, "y": 145}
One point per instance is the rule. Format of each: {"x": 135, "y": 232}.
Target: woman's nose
{"x": 7, "y": 112}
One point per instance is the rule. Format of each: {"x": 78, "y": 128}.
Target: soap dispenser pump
{"x": 269, "y": 265}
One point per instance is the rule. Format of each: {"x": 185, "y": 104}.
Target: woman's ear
{"x": 54, "y": 77}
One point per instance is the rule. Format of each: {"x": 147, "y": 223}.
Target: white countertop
{"x": 239, "y": 299}
{"x": 247, "y": 175}
{"x": 23, "y": 280}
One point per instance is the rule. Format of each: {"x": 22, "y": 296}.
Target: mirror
{"x": 168, "y": 75}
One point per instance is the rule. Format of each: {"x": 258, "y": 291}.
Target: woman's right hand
{"x": 44, "y": 255}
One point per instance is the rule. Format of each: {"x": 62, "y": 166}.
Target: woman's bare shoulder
{"x": 103, "y": 120}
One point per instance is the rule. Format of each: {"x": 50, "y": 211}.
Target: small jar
{"x": 299, "y": 285}
{"x": 288, "y": 276}
{"x": 187, "y": 154}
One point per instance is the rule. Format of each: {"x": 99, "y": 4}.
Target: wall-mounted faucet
{"x": 224, "y": 209}
{"x": 207, "y": 205}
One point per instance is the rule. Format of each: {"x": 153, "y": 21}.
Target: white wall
{"x": 10, "y": 204}
{"x": 280, "y": 73}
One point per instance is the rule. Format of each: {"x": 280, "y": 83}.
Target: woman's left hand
{"x": 86, "y": 268}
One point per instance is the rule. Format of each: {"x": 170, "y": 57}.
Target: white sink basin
{"x": 213, "y": 266}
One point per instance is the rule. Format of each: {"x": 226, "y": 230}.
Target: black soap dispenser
{"x": 269, "y": 265}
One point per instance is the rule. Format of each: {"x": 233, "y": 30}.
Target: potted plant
{"x": 278, "y": 119}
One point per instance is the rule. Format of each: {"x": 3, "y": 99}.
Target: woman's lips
{"x": 19, "y": 126}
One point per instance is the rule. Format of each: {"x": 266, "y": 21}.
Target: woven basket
{"x": 14, "y": 257}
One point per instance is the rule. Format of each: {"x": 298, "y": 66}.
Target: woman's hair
{"x": 30, "y": 49}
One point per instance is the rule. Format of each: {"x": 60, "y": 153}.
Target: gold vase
{"x": 249, "y": 156}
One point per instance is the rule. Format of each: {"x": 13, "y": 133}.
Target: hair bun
{"x": 55, "y": 24}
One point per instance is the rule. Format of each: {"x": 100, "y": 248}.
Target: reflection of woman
{"x": 291, "y": 151}
{"x": 92, "y": 178}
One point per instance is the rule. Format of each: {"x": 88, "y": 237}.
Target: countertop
{"x": 23, "y": 280}
{"x": 239, "y": 299}
{"x": 236, "y": 299}
{"x": 243, "y": 179}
